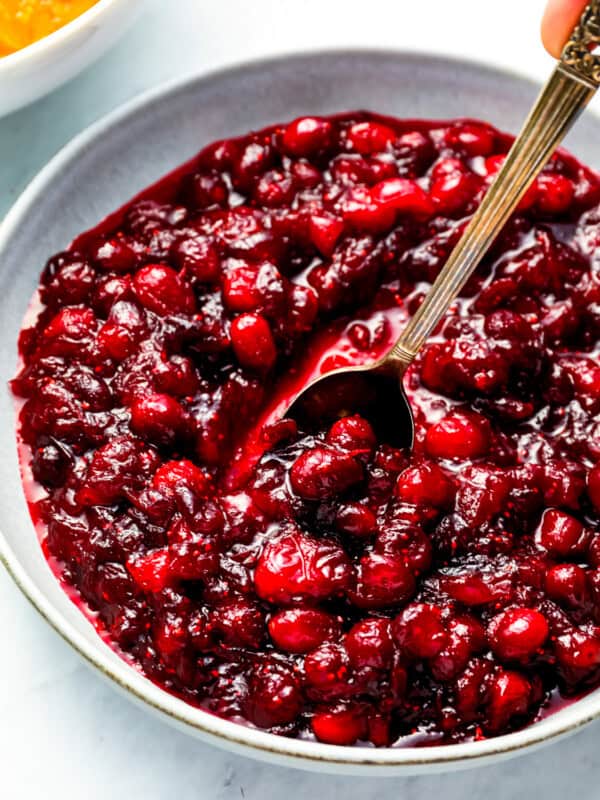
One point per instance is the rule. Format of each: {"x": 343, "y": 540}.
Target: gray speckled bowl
{"x": 121, "y": 154}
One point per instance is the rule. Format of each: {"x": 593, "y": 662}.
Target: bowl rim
{"x": 59, "y": 37}
{"x": 247, "y": 739}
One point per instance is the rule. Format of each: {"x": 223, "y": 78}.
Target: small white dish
{"x": 39, "y": 68}
{"x": 141, "y": 142}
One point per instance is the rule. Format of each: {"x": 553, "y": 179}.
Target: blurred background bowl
{"x": 39, "y": 68}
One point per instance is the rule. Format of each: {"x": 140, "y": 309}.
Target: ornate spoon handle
{"x": 569, "y": 89}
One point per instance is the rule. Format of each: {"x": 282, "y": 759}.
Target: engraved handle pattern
{"x": 578, "y": 53}
{"x": 569, "y": 89}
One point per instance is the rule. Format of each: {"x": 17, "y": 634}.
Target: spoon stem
{"x": 568, "y": 91}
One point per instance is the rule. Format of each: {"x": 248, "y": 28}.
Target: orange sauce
{"x": 23, "y": 22}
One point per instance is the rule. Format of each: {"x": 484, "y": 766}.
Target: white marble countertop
{"x": 66, "y": 734}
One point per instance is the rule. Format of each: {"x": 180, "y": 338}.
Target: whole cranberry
{"x": 509, "y": 696}
{"x": 352, "y": 433}
{"x": 419, "y": 631}
{"x": 470, "y": 138}
{"x": 274, "y": 695}
{"x": 321, "y": 473}
{"x": 369, "y": 644}
{"x": 517, "y": 633}
{"x": 566, "y": 583}
{"x": 593, "y": 485}
{"x": 362, "y": 211}
{"x": 159, "y": 288}
{"x": 356, "y": 519}
{"x": 307, "y": 136}
{"x": 370, "y": 137}
{"x": 342, "y": 725}
{"x": 559, "y": 533}
{"x": 404, "y": 196}
{"x": 297, "y": 567}
{"x": 578, "y": 650}
{"x": 555, "y": 193}
{"x": 458, "y": 435}
{"x": 324, "y": 232}
{"x": 253, "y": 342}
{"x": 158, "y": 418}
{"x": 115, "y": 255}
{"x": 176, "y": 476}
{"x": 151, "y": 572}
{"x": 382, "y": 580}
{"x": 300, "y": 630}
{"x": 425, "y": 484}
{"x": 199, "y": 258}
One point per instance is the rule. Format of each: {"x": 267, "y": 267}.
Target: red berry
{"x": 353, "y": 434}
{"x": 555, "y": 193}
{"x": 298, "y": 567}
{"x": 370, "y": 137}
{"x": 341, "y": 726}
{"x": 307, "y": 136}
{"x": 324, "y": 232}
{"x": 151, "y": 572}
{"x": 300, "y": 630}
{"x": 356, "y": 520}
{"x": 425, "y": 485}
{"x": 369, "y": 644}
{"x": 559, "y": 533}
{"x": 419, "y": 631}
{"x": 382, "y": 580}
{"x": 157, "y": 417}
{"x": 458, "y": 435}
{"x": 321, "y": 473}
{"x": 253, "y": 342}
{"x": 274, "y": 695}
{"x": 566, "y": 583}
{"x": 517, "y": 633}
{"x": 593, "y": 485}
{"x": 403, "y": 196}
{"x": 160, "y": 289}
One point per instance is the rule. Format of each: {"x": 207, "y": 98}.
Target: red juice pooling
{"x": 327, "y": 585}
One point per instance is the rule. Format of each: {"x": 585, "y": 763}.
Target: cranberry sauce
{"x": 328, "y": 585}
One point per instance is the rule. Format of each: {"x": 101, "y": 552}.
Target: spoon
{"x": 376, "y": 390}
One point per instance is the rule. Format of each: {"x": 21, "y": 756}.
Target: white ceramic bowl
{"x": 141, "y": 142}
{"x": 34, "y": 71}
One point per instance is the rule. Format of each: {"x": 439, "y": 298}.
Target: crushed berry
{"x": 325, "y": 584}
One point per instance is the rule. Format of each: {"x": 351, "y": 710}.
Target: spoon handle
{"x": 569, "y": 89}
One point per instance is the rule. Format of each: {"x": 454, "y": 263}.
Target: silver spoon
{"x": 375, "y": 390}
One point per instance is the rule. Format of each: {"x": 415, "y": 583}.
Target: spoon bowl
{"x": 375, "y": 391}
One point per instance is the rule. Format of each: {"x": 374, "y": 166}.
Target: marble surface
{"x": 66, "y": 734}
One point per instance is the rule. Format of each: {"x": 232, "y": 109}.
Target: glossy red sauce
{"x": 328, "y": 585}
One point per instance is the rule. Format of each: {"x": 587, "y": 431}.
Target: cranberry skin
{"x": 517, "y": 633}
{"x": 369, "y": 644}
{"x": 593, "y": 486}
{"x": 115, "y": 255}
{"x": 158, "y": 418}
{"x": 578, "y": 651}
{"x": 363, "y": 212}
{"x": 300, "y": 630}
{"x": 173, "y": 477}
{"x": 324, "y": 232}
{"x": 151, "y": 572}
{"x": 355, "y": 519}
{"x": 555, "y": 193}
{"x": 307, "y": 136}
{"x": 274, "y": 696}
{"x": 559, "y": 533}
{"x": 509, "y": 696}
{"x": 458, "y": 435}
{"x": 253, "y": 342}
{"x": 566, "y": 583}
{"x": 319, "y": 474}
{"x": 297, "y": 568}
{"x": 382, "y": 580}
{"x": 326, "y": 670}
{"x": 199, "y": 258}
{"x": 419, "y": 631}
{"x": 403, "y": 196}
{"x": 469, "y": 590}
{"x": 352, "y": 433}
{"x": 370, "y": 137}
{"x": 470, "y": 138}
{"x": 426, "y": 485}
{"x": 452, "y": 186}
{"x": 342, "y": 726}
{"x": 159, "y": 289}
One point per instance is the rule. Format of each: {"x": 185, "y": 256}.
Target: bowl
{"x": 35, "y": 70}
{"x": 139, "y": 143}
